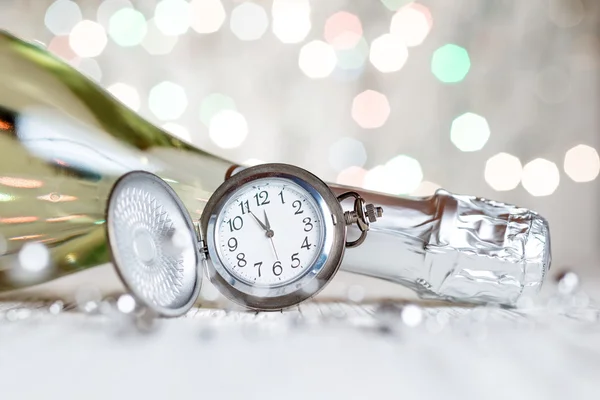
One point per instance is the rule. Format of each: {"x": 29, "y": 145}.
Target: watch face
{"x": 269, "y": 232}
{"x": 274, "y": 234}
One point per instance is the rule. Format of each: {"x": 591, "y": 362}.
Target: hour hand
{"x": 259, "y": 222}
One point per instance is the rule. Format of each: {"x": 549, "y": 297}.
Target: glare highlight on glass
{"x": 347, "y": 152}
{"x": 469, "y": 132}
{"x": 388, "y": 53}
{"x": 213, "y": 104}
{"x": 62, "y": 16}
{"x": 450, "y": 63}
{"x": 126, "y": 94}
{"x": 172, "y": 17}
{"x": 248, "y": 21}
{"x": 127, "y": 27}
{"x": 317, "y": 59}
{"x": 291, "y": 20}
{"x": 370, "y": 109}
{"x": 343, "y": 30}
{"x": 167, "y": 101}
{"x": 503, "y": 172}
{"x": 155, "y": 42}
{"x": 88, "y": 39}
{"x": 540, "y": 177}
{"x": 412, "y": 24}
{"x": 352, "y": 176}
{"x": 180, "y": 132}
{"x": 207, "y": 15}
{"x": 228, "y": 129}
{"x": 582, "y": 163}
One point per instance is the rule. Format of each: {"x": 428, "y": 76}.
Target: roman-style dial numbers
{"x": 269, "y": 232}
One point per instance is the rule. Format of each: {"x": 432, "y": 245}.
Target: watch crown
{"x": 373, "y": 212}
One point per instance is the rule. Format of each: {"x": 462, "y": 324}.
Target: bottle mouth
{"x": 153, "y": 243}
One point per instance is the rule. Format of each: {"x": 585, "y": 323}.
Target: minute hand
{"x": 265, "y": 227}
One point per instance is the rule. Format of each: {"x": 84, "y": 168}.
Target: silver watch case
{"x": 306, "y": 285}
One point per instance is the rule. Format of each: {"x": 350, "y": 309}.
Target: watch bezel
{"x": 295, "y": 291}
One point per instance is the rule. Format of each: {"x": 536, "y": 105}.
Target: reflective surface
{"x": 64, "y": 143}
{"x": 457, "y": 247}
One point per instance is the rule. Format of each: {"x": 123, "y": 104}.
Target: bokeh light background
{"x": 496, "y": 98}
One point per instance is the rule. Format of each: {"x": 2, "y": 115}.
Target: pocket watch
{"x": 274, "y": 235}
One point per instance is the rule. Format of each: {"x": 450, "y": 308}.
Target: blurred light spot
{"x": 127, "y": 27}
{"x": 90, "y": 68}
{"x": 107, "y": 8}
{"x": 228, "y": 129}
{"x": 503, "y": 172}
{"x": 412, "y": 24}
{"x": 181, "y": 132}
{"x": 155, "y": 42}
{"x": 213, "y": 104}
{"x": 553, "y": 85}
{"x": 469, "y": 132}
{"x": 370, "y": 109}
{"x": 347, "y": 152}
{"x": 20, "y": 182}
{"x": 26, "y": 237}
{"x": 425, "y": 189}
{"x": 88, "y": 39}
{"x": 172, "y": 17}
{"x": 59, "y": 46}
{"x": 34, "y": 257}
{"x": 343, "y": 30}
{"x": 167, "y": 101}
{"x": 401, "y": 175}
{"x": 412, "y": 315}
{"x": 317, "y": 59}
{"x": 450, "y": 63}
{"x": 394, "y": 5}
{"x": 291, "y": 20}
{"x": 405, "y": 174}
{"x": 388, "y": 53}
{"x": 126, "y": 94}
{"x": 249, "y": 21}
{"x": 56, "y": 307}
{"x": 207, "y": 15}
{"x": 352, "y": 176}
{"x": 569, "y": 283}
{"x": 566, "y": 13}
{"x": 582, "y": 163}
{"x": 251, "y": 162}
{"x": 353, "y": 58}
{"x": 540, "y": 177}
{"x": 18, "y": 220}
{"x": 62, "y": 16}
{"x": 126, "y": 304}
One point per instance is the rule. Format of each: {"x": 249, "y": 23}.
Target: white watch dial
{"x": 269, "y": 232}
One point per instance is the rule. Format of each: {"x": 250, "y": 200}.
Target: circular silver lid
{"x": 153, "y": 243}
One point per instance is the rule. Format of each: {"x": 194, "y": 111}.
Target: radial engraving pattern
{"x": 156, "y": 274}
